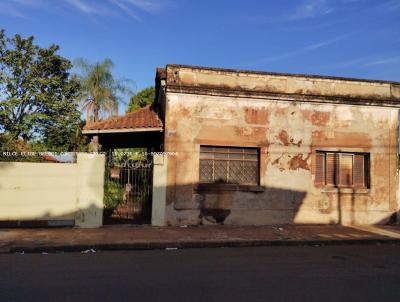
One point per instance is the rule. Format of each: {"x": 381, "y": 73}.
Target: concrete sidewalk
{"x": 147, "y": 237}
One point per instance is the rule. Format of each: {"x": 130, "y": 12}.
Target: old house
{"x": 255, "y": 148}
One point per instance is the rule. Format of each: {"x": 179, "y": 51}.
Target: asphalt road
{"x": 335, "y": 273}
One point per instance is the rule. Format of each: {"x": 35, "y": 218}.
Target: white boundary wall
{"x": 54, "y": 191}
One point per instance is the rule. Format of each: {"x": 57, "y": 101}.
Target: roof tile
{"x": 145, "y": 117}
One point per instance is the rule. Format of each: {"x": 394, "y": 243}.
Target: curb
{"x": 193, "y": 244}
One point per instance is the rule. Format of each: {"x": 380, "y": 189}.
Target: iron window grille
{"x": 342, "y": 169}
{"x": 229, "y": 165}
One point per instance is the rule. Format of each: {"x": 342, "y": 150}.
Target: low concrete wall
{"x": 54, "y": 191}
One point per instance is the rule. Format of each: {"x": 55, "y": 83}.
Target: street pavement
{"x": 275, "y": 273}
{"x": 139, "y": 237}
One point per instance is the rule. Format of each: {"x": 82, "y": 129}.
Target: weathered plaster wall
{"x": 326, "y": 89}
{"x": 288, "y": 133}
{"x": 53, "y": 191}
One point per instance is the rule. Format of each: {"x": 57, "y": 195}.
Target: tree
{"x": 141, "y": 99}
{"x": 99, "y": 89}
{"x": 37, "y": 94}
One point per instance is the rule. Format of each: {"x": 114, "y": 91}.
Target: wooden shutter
{"x": 320, "y": 169}
{"x": 346, "y": 170}
{"x": 359, "y": 170}
{"x": 331, "y": 169}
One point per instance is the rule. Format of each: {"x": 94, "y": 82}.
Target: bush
{"x": 13, "y": 148}
{"x": 113, "y": 194}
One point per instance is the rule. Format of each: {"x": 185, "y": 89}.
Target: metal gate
{"x": 128, "y": 190}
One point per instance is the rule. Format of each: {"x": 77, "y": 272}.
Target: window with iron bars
{"x": 339, "y": 169}
{"x": 229, "y": 165}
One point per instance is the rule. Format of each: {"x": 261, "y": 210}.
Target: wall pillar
{"x": 397, "y": 164}
{"x": 159, "y": 201}
{"x": 398, "y": 198}
{"x": 90, "y": 190}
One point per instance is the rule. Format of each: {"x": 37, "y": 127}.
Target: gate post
{"x": 159, "y": 190}
{"x": 90, "y": 190}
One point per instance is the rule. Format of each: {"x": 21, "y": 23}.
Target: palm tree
{"x": 99, "y": 89}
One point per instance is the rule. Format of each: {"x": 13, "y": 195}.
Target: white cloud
{"x": 299, "y": 51}
{"x": 311, "y": 9}
{"x": 91, "y": 7}
{"x": 390, "y": 6}
{"x": 126, "y": 9}
{"x": 18, "y": 8}
{"x": 360, "y": 63}
{"x": 28, "y": 2}
{"x": 344, "y": 64}
{"x": 130, "y": 8}
{"x": 11, "y": 10}
{"x": 134, "y": 8}
{"x": 83, "y": 7}
{"x": 351, "y": 1}
{"x": 146, "y": 5}
{"x": 383, "y": 61}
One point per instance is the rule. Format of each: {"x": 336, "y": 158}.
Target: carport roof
{"x": 144, "y": 119}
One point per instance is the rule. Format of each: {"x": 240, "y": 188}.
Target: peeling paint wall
{"x": 288, "y": 134}
{"x": 261, "y": 84}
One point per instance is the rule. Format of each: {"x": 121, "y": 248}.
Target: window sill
{"x": 345, "y": 190}
{"x": 228, "y": 187}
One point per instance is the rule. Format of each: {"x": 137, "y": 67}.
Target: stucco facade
{"x": 287, "y": 118}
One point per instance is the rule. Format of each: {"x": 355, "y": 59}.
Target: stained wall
{"x": 288, "y": 133}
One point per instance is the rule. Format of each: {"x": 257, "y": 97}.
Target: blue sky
{"x": 350, "y": 38}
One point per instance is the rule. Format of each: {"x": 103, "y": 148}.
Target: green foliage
{"x": 37, "y": 93}
{"x": 113, "y": 194}
{"x": 79, "y": 141}
{"x": 14, "y": 147}
{"x": 141, "y": 99}
{"x": 123, "y": 155}
{"x": 10, "y": 143}
{"x": 99, "y": 89}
